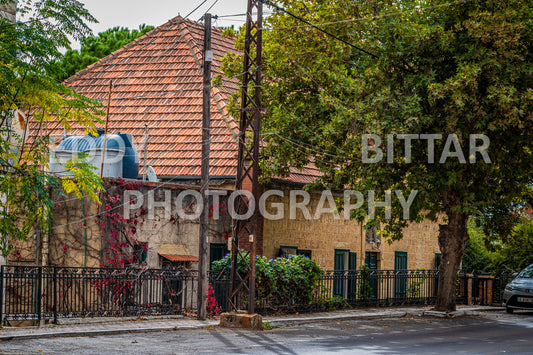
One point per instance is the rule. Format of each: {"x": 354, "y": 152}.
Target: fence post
{"x": 55, "y": 294}
{"x": 468, "y": 279}
{"x": 39, "y": 294}
{"x": 1, "y": 295}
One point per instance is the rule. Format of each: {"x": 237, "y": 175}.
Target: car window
{"x": 527, "y": 272}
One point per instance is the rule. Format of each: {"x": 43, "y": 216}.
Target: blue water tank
{"x": 76, "y": 144}
{"x": 130, "y": 162}
{"x": 121, "y": 144}
{"x": 113, "y": 141}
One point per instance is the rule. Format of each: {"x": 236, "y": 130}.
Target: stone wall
{"x": 67, "y": 245}
{"x": 325, "y": 235}
{"x": 9, "y": 11}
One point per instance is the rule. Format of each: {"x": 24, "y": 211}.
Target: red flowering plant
{"x": 213, "y": 308}
{"x": 117, "y": 231}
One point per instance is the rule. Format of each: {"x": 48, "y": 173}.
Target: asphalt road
{"x": 489, "y": 333}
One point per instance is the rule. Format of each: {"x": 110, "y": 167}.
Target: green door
{"x": 371, "y": 262}
{"x": 338, "y": 273}
{"x": 400, "y": 281}
{"x": 216, "y": 252}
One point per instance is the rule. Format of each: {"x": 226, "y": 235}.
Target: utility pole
{"x": 105, "y": 129}
{"x": 145, "y": 150}
{"x": 242, "y": 283}
{"x": 204, "y": 184}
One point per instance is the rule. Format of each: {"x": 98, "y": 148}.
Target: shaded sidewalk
{"x": 105, "y": 326}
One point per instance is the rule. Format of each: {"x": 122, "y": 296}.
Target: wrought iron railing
{"x": 338, "y": 289}
{"x": 39, "y": 293}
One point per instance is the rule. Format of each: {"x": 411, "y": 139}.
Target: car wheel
{"x": 509, "y": 310}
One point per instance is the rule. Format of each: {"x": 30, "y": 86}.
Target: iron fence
{"x": 49, "y": 293}
{"x": 39, "y": 293}
{"x": 340, "y": 289}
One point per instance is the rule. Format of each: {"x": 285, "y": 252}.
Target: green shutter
{"x": 352, "y": 276}
{"x": 400, "y": 281}
{"x": 338, "y": 283}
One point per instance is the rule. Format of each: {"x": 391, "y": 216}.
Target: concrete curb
{"x": 304, "y": 320}
{"x": 96, "y": 332}
{"x": 36, "y": 333}
{"x": 461, "y": 312}
{"x": 375, "y": 315}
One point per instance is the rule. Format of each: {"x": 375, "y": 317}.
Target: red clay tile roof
{"x": 158, "y": 81}
{"x": 180, "y": 257}
{"x": 307, "y": 175}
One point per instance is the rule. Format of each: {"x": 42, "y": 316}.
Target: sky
{"x": 132, "y": 13}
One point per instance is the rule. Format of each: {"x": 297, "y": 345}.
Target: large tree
{"x": 94, "y": 48}
{"x": 31, "y": 99}
{"x": 415, "y": 67}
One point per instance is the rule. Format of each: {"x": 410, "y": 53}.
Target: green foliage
{"x": 266, "y": 325}
{"x": 517, "y": 251}
{"x": 84, "y": 179}
{"x": 94, "y": 48}
{"x": 334, "y": 303}
{"x": 281, "y": 281}
{"x": 415, "y": 285}
{"x": 477, "y": 256}
{"x": 27, "y": 50}
{"x": 489, "y": 255}
{"x": 438, "y": 67}
{"x": 462, "y": 69}
{"x": 364, "y": 288}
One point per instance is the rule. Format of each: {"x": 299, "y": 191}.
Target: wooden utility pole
{"x": 105, "y": 129}
{"x": 145, "y": 151}
{"x": 204, "y": 184}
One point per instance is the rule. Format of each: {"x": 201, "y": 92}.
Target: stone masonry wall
{"x": 67, "y": 240}
{"x": 325, "y": 235}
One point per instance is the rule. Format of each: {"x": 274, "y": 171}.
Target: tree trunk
{"x": 452, "y": 242}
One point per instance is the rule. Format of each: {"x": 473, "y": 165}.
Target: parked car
{"x": 518, "y": 293}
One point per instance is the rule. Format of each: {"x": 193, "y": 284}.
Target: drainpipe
{"x": 363, "y": 245}
{"x": 84, "y": 233}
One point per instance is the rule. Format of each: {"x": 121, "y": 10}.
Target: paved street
{"x": 489, "y": 333}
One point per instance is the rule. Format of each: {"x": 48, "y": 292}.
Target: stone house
{"x": 157, "y": 85}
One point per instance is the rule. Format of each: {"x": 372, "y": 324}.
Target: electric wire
{"x": 270, "y": 3}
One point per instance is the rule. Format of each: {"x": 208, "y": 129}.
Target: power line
{"x": 196, "y": 8}
{"x": 270, "y": 3}
{"x": 390, "y": 14}
{"x": 210, "y": 7}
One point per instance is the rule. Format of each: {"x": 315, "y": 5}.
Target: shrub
{"x": 281, "y": 282}
{"x": 364, "y": 288}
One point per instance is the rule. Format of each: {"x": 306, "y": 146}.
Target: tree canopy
{"x": 31, "y": 99}
{"x": 94, "y": 48}
{"x": 452, "y": 69}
